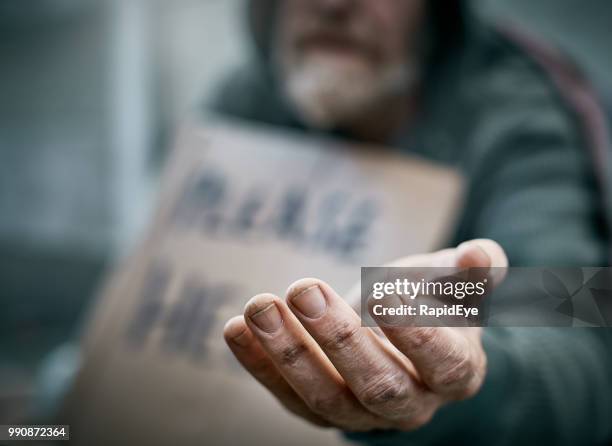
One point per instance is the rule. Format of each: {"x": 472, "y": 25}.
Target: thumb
{"x": 481, "y": 253}
{"x": 477, "y": 253}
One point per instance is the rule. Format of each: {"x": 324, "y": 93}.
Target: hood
{"x": 447, "y": 22}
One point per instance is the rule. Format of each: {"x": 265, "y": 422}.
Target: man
{"x": 425, "y": 76}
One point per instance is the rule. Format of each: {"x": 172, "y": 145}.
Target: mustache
{"x": 358, "y": 36}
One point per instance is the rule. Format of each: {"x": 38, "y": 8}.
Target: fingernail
{"x": 484, "y": 253}
{"x": 241, "y": 339}
{"x": 310, "y": 302}
{"x": 267, "y": 319}
{"x": 236, "y": 331}
{"x": 474, "y": 258}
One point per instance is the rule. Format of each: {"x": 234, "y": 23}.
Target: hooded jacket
{"x": 521, "y": 124}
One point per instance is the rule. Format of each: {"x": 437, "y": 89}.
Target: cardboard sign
{"x": 243, "y": 210}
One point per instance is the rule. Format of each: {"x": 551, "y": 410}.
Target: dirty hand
{"x": 311, "y": 352}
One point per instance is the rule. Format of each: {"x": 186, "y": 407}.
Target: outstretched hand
{"x": 311, "y": 352}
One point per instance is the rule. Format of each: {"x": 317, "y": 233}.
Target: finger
{"x": 481, "y": 253}
{"x": 466, "y": 255}
{"x": 438, "y": 259}
{"x": 255, "y": 360}
{"x": 378, "y": 377}
{"x": 303, "y": 365}
{"x": 449, "y": 257}
{"x": 450, "y": 361}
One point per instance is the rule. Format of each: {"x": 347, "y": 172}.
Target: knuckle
{"x": 384, "y": 392}
{"x": 290, "y": 355}
{"x": 342, "y": 337}
{"x": 459, "y": 373}
{"x": 423, "y": 337}
{"x": 462, "y": 379}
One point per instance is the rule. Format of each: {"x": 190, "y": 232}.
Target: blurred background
{"x": 90, "y": 94}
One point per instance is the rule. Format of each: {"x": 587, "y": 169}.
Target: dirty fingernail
{"x": 310, "y": 302}
{"x": 268, "y": 318}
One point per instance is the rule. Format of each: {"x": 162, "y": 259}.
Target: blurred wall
{"x": 76, "y": 125}
{"x": 55, "y": 209}
{"x": 53, "y": 133}
{"x": 197, "y": 42}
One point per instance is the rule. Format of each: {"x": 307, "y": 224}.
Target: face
{"x": 340, "y": 58}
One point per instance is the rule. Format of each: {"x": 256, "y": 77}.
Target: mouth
{"x": 334, "y": 43}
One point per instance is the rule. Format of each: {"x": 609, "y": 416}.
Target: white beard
{"x": 329, "y": 91}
